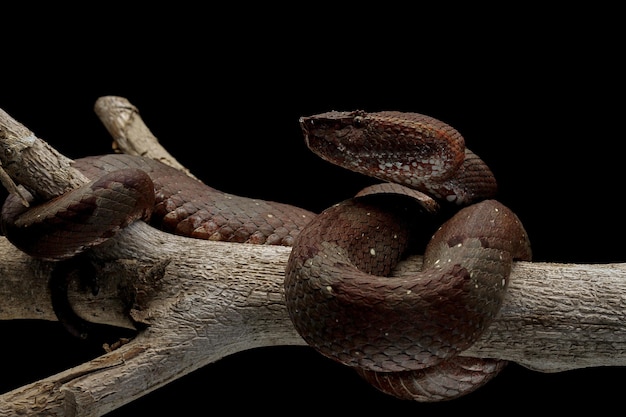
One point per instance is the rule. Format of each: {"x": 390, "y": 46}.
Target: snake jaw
{"x": 338, "y": 147}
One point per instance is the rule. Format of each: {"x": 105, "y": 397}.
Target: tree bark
{"x": 197, "y": 301}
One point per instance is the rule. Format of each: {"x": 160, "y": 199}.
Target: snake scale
{"x": 403, "y": 334}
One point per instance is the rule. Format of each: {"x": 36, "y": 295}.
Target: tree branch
{"x": 203, "y": 300}
{"x": 130, "y": 134}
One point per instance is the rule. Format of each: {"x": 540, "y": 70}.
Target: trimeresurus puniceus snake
{"x": 403, "y": 334}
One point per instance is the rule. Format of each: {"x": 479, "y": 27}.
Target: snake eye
{"x": 358, "y": 121}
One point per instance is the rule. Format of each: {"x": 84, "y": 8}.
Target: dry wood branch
{"x": 130, "y": 134}
{"x": 31, "y": 162}
{"x": 212, "y": 299}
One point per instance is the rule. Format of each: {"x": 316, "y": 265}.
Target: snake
{"x": 403, "y": 334}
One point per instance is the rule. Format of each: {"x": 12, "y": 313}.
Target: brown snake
{"x": 403, "y": 334}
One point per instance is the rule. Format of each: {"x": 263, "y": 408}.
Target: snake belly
{"x": 403, "y": 334}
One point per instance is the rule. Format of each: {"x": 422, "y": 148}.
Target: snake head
{"x": 406, "y": 148}
{"x": 411, "y": 149}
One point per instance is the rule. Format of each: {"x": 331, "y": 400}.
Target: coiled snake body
{"x": 403, "y": 334}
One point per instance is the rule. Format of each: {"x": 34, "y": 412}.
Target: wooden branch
{"x": 130, "y": 134}
{"x": 205, "y": 300}
{"x": 31, "y": 162}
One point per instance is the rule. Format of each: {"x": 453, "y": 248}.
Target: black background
{"x": 538, "y": 95}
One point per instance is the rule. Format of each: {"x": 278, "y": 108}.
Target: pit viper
{"x": 403, "y": 334}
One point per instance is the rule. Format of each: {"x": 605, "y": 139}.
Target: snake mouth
{"x": 316, "y": 139}
{"x": 337, "y": 137}
{"x": 325, "y": 126}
